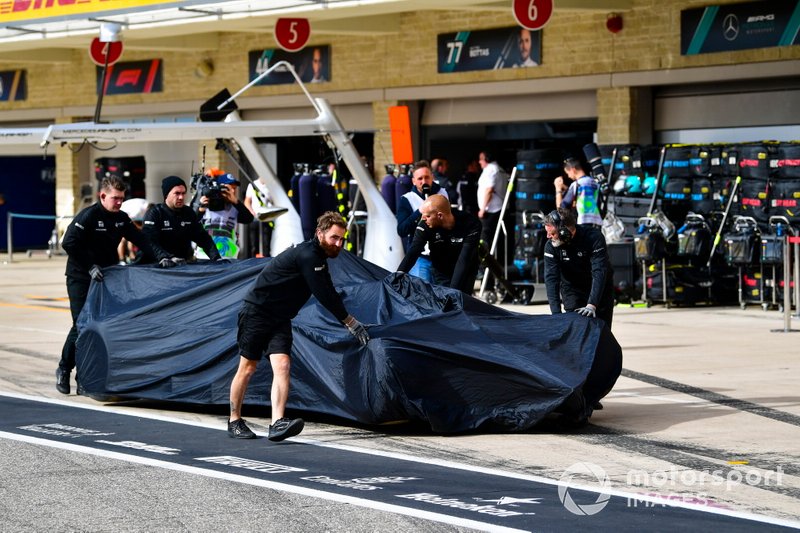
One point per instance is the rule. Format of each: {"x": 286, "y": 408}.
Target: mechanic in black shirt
{"x": 173, "y": 225}
{"x": 453, "y": 238}
{"x": 91, "y": 242}
{"x": 577, "y": 270}
{"x": 279, "y": 292}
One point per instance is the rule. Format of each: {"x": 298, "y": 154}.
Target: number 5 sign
{"x": 532, "y": 14}
{"x": 292, "y": 34}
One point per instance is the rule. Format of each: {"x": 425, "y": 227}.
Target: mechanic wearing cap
{"x": 173, "y": 225}
{"x": 577, "y": 270}
{"x": 91, "y": 243}
{"x": 220, "y": 222}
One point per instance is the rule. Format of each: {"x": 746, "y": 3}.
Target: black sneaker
{"x": 283, "y": 428}
{"x": 237, "y": 429}
{"x": 62, "y": 380}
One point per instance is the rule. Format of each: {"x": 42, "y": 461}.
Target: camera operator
{"x": 173, "y": 226}
{"x": 583, "y": 194}
{"x": 220, "y": 210}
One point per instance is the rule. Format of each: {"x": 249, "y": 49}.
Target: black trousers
{"x": 77, "y": 290}
{"x": 489, "y": 226}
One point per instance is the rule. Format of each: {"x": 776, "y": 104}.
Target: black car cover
{"x": 435, "y": 356}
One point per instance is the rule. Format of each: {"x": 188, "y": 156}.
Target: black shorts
{"x": 260, "y": 333}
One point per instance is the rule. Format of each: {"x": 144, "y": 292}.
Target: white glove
{"x": 587, "y": 311}
{"x": 166, "y": 263}
{"x": 178, "y": 261}
{"x": 96, "y": 273}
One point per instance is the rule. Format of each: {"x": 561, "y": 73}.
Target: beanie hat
{"x": 169, "y": 183}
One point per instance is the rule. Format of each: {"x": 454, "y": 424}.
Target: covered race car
{"x": 435, "y": 356}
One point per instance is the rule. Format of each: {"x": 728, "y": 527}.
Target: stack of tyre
{"x": 534, "y": 197}
{"x": 769, "y": 207}
{"x": 312, "y": 194}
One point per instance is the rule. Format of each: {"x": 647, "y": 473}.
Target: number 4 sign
{"x": 292, "y": 34}
{"x": 532, "y": 14}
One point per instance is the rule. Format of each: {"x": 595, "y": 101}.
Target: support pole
{"x": 10, "y": 244}
{"x": 787, "y": 279}
{"x": 796, "y": 276}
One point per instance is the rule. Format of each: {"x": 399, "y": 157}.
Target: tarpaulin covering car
{"x": 435, "y": 356}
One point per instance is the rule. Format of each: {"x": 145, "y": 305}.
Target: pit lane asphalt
{"x": 704, "y": 390}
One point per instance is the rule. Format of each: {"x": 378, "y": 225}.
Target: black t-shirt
{"x": 289, "y": 280}
{"x": 174, "y": 230}
{"x": 93, "y": 236}
{"x": 579, "y": 272}
{"x": 454, "y": 252}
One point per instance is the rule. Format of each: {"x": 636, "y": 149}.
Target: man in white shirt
{"x": 256, "y": 200}
{"x": 491, "y": 190}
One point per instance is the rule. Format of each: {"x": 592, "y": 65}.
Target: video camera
{"x": 592, "y": 153}
{"x": 210, "y": 188}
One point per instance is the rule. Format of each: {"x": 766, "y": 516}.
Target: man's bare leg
{"x": 239, "y": 385}
{"x": 281, "y": 364}
{"x": 281, "y": 428}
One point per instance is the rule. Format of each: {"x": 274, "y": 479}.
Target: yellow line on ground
{"x": 738, "y": 462}
{"x": 47, "y": 298}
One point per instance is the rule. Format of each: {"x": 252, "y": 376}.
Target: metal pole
{"x": 8, "y": 237}
{"x": 718, "y": 236}
{"x": 654, "y": 198}
{"x": 796, "y": 276}
{"x": 787, "y": 280}
{"x": 99, "y": 106}
{"x": 500, "y": 225}
{"x": 644, "y": 280}
{"x": 787, "y": 302}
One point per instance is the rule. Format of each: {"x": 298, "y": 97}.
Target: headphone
{"x": 564, "y": 234}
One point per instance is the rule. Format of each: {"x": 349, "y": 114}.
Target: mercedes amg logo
{"x": 730, "y": 27}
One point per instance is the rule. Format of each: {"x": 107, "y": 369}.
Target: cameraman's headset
{"x": 564, "y": 234}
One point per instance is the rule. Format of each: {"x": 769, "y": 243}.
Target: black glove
{"x": 178, "y": 261}
{"x": 96, "y": 273}
{"x": 358, "y": 331}
{"x": 166, "y": 263}
{"x": 587, "y": 311}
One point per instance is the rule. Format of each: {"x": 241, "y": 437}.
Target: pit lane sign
{"x": 532, "y": 14}
{"x": 98, "y": 51}
{"x": 292, "y": 34}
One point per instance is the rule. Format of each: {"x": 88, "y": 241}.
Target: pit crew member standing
{"x": 91, "y": 242}
{"x": 173, "y": 225}
{"x": 265, "y": 320}
{"x": 577, "y": 270}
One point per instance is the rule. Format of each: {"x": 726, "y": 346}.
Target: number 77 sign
{"x": 292, "y": 34}
{"x": 532, "y": 14}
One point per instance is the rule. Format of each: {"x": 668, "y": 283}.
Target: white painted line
{"x": 447, "y": 464}
{"x": 427, "y": 515}
{"x": 37, "y": 330}
{"x": 657, "y": 398}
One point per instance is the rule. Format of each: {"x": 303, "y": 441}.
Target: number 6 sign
{"x": 532, "y": 14}
{"x": 292, "y": 34}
